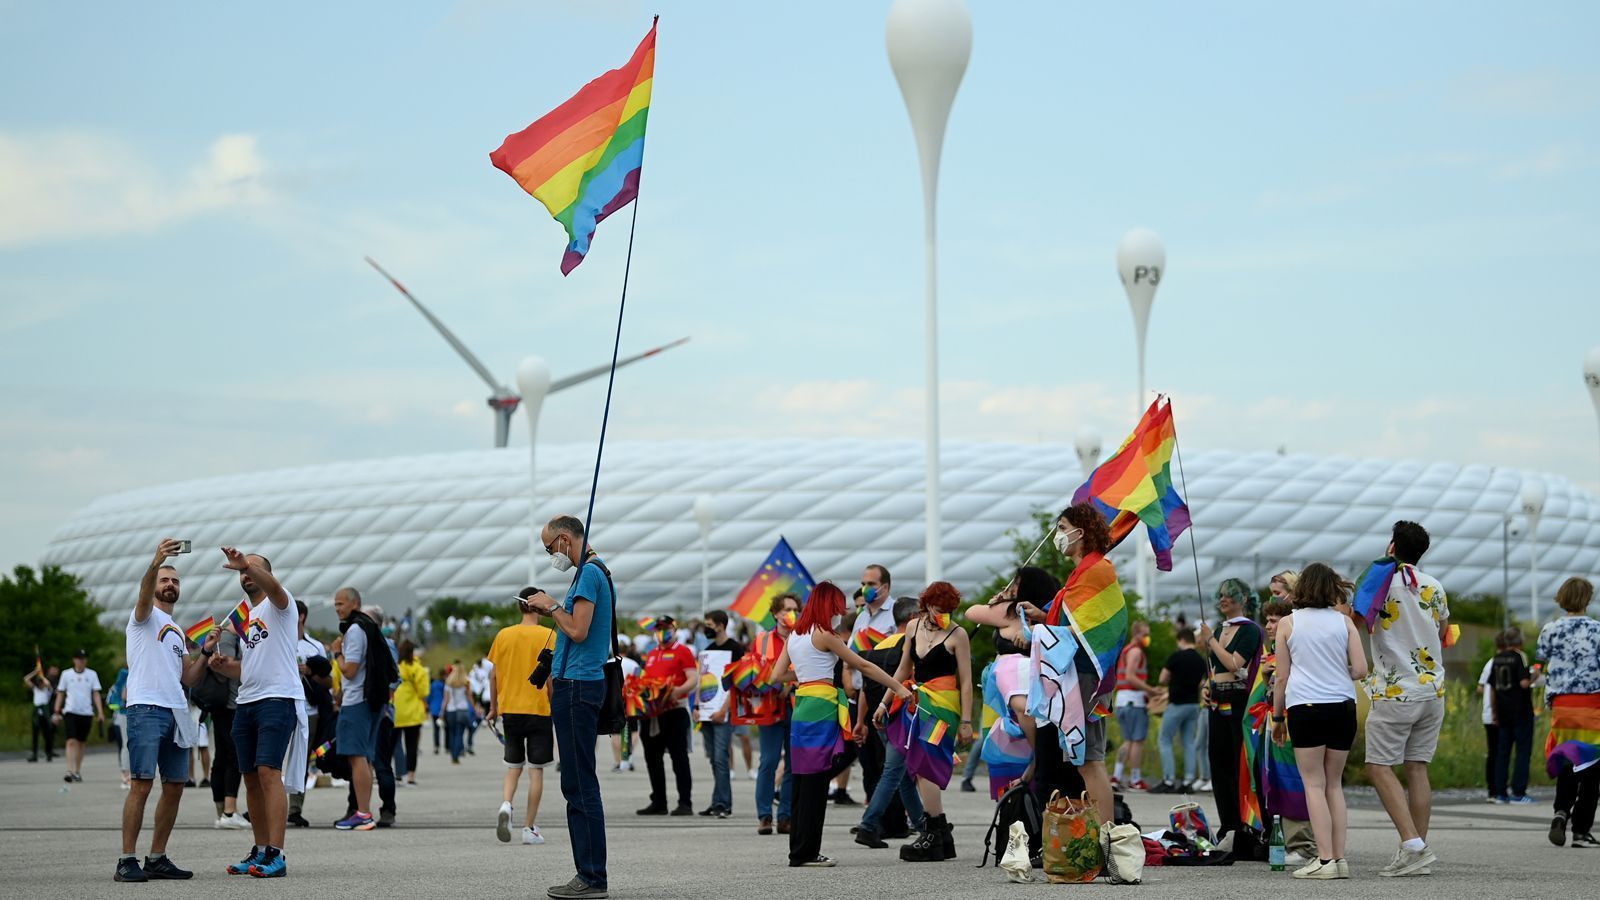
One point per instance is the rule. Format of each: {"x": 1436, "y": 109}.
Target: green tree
{"x": 49, "y": 610}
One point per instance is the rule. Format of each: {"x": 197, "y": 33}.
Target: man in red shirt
{"x": 666, "y": 730}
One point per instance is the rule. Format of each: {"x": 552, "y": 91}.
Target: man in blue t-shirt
{"x": 577, "y": 689}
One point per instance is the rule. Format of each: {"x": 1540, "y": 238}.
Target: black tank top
{"x": 938, "y": 663}
{"x": 1004, "y": 646}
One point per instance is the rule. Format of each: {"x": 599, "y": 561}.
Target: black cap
{"x": 81, "y": 654}
{"x": 664, "y": 622}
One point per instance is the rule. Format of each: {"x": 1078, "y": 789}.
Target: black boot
{"x": 929, "y": 845}
{"x": 948, "y": 838}
{"x": 866, "y": 837}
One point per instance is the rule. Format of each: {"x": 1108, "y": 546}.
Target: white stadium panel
{"x": 410, "y": 529}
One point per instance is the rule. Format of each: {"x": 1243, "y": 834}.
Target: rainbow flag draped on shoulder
{"x": 1135, "y": 485}
{"x": 1092, "y": 603}
{"x": 582, "y": 159}
{"x": 781, "y": 574}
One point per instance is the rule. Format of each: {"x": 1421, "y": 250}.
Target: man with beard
{"x": 160, "y": 731}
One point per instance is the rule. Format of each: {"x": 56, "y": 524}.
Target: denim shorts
{"x": 357, "y": 731}
{"x": 262, "y": 731}
{"x": 152, "y": 744}
{"x": 1133, "y": 722}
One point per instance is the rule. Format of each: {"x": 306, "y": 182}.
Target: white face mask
{"x": 560, "y": 562}
{"x": 1065, "y": 540}
{"x": 836, "y": 621}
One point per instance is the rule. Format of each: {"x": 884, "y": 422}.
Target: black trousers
{"x": 667, "y": 734}
{"x": 412, "y": 735}
{"x": 1576, "y": 795}
{"x": 1491, "y": 740}
{"x": 224, "y": 761}
{"x": 42, "y": 726}
{"x": 808, "y": 814}
{"x": 1227, "y": 743}
{"x": 1515, "y": 749}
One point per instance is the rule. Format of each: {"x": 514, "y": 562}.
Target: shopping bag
{"x": 1072, "y": 852}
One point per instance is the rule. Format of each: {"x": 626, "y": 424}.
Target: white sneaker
{"x": 751, "y": 775}
{"x": 1295, "y": 859}
{"x": 502, "y": 825}
{"x": 1203, "y": 784}
{"x": 340, "y": 782}
{"x": 1317, "y": 870}
{"x": 531, "y": 835}
{"x": 1409, "y": 862}
{"x": 627, "y": 766}
{"x": 235, "y": 821}
{"x": 1344, "y": 868}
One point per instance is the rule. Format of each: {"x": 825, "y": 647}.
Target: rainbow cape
{"x": 1092, "y": 603}
{"x": 1574, "y": 733}
{"x": 582, "y": 159}
{"x": 1273, "y": 774}
{"x": 198, "y": 631}
{"x": 817, "y": 729}
{"x": 782, "y": 573}
{"x": 239, "y": 619}
{"x": 1135, "y": 485}
{"x": 925, "y": 731}
{"x": 866, "y": 640}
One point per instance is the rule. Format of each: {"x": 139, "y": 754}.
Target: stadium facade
{"x": 410, "y": 529}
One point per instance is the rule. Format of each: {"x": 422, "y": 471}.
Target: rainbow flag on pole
{"x": 198, "y": 631}
{"x": 866, "y": 640}
{"x": 582, "y": 159}
{"x": 1092, "y": 603}
{"x": 239, "y": 619}
{"x": 1135, "y": 485}
{"x": 781, "y": 574}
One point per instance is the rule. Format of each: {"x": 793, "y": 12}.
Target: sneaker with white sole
{"x": 502, "y": 824}
{"x": 531, "y": 835}
{"x": 1408, "y": 862}
{"x": 1296, "y": 860}
{"x": 231, "y": 820}
{"x": 1344, "y": 868}
{"x": 821, "y": 862}
{"x": 1318, "y": 870}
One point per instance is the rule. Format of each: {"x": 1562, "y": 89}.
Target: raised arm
{"x": 258, "y": 573}
{"x": 147, "y": 585}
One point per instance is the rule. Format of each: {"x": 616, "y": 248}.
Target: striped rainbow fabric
{"x": 1135, "y": 485}
{"x": 1574, "y": 733}
{"x": 582, "y": 159}
{"x": 926, "y": 735}
{"x": 865, "y": 640}
{"x": 817, "y": 729}
{"x": 1273, "y": 771}
{"x": 239, "y": 619}
{"x": 1092, "y": 603}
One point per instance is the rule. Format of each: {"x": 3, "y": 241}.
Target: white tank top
{"x": 809, "y": 663}
{"x": 1320, "y": 658}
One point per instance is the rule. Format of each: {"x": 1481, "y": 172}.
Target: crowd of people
{"x": 1261, "y": 707}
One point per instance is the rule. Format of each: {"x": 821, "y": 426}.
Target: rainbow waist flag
{"x": 1273, "y": 773}
{"x": 866, "y": 640}
{"x": 1574, "y": 733}
{"x": 926, "y": 732}
{"x": 781, "y": 574}
{"x": 1092, "y": 603}
{"x": 239, "y": 619}
{"x": 817, "y": 729}
{"x": 582, "y": 159}
{"x": 198, "y": 631}
{"x": 1135, "y": 485}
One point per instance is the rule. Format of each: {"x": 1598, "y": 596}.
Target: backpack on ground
{"x": 1017, "y": 804}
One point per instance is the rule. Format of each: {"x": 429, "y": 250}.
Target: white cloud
{"x": 74, "y": 184}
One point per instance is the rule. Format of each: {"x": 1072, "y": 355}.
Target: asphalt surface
{"x": 60, "y": 841}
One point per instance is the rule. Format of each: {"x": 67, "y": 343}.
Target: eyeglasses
{"x": 550, "y": 548}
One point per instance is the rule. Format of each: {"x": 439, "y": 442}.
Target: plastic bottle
{"x": 1275, "y": 849}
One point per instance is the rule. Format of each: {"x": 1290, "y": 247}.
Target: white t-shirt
{"x": 304, "y": 649}
{"x": 79, "y": 688}
{"x": 269, "y": 668}
{"x": 155, "y": 651}
{"x": 355, "y": 650}
{"x": 1488, "y": 693}
{"x": 43, "y": 695}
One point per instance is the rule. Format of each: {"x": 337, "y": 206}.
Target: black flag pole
{"x": 611, "y": 382}
{"x": 1194, "y": 554}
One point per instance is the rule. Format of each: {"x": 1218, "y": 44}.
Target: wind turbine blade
{"x": 473, "y": 361}
{"x": 597, "y": 371}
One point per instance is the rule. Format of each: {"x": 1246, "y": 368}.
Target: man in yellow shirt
{"x": 524, "y": 712}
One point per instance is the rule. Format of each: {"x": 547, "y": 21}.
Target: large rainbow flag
{"x": 1135, "y": 485}
{"x": 1092, "y": 603}
{"x": 817, "y": 729}
{"x": 781, "y": 574}
{"x": 1273, "y": 772}
{"x": 926, "y": 732}
{"x": 582, "y": 159}
{"x": 1574, "y": 733}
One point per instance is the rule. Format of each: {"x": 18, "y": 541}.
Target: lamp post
{"x": 1591, "y": 377}
{"x": 533, "y": 380}
{"x": 1088, "y": 447}
{"x": 1533, "y": 497}
{"x": 1141, "y": 260}
{"x": 929, "y": 42}
{"x": 704, "y": 513}
{"x": 1506, "y": 532}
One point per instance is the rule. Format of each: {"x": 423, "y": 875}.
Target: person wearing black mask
{"x": 715, "y": 724}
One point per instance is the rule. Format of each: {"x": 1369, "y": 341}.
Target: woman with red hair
{"x": 939, "y": 660}
{"x": 821, "y": 714}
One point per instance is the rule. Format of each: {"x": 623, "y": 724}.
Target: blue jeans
{"x": 575, "y": 712}
{"x": 774, "y": 744}
{"x": 356, "y": 733}
{"x": 1180, "y": 723}
{"x": 1202, "y": 741}
{"x": 718, "y": 741}
{"x": 455, "y": 726}
{"x": 892, "y": 780}
{"x": 975, "y": 755}
{"x": 262, "y": 731}
{"x": 152, "y": 744}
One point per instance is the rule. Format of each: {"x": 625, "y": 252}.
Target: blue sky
{"x": 1379, "y": 220}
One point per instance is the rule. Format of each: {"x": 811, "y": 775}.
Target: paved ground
{"x": 55, "y": 844}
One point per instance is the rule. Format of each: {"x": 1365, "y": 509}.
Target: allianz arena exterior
{"x": 410, "y": 529}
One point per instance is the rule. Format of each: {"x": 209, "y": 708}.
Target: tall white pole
{"x": 533, "y": 380}
{"x": 1534, "y": 494}
{"x": 1591, "y": 377}
{"x": 705, "y": 514}
{"x": 929, "y": 43}
{"x": 1141, "y": 261}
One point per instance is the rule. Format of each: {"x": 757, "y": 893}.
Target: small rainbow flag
{"x": 865, "y": 640}
{"x": 1092, "y": 603}
{"x": 197, "y": 632}
{"x": 322, "y": 751}
{"x": 582, "y": 159}
{"x": 1135, "y": 485}
{"x": 781, "y": 574}
{"x": 742, "y": 673}
{"x": 239, "y": 619}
